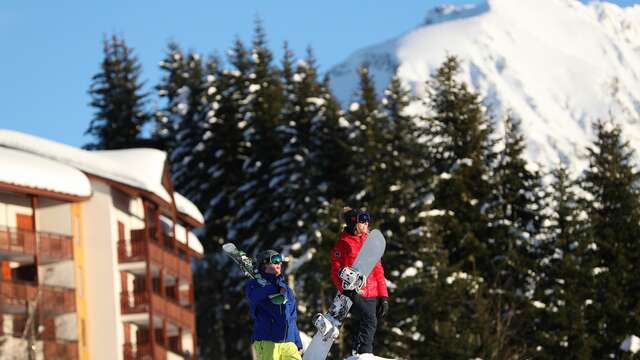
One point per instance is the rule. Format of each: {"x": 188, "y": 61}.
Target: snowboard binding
{"x": 326, "y": 326}
{"x": 352, "y": 279}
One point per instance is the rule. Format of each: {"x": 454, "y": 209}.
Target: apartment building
{"x": 95, "y": 254}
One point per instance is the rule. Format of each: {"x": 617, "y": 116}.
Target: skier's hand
{"x": 351, "y": 294}
{"x": 383, "y": 308}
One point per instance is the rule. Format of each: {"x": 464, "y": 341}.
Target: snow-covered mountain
{"x": 556, "y": 64}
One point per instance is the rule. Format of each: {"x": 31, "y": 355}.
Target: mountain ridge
{"x": 557, "y": 65}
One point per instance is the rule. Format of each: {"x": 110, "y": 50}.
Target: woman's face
{"x": 362, "y": 228}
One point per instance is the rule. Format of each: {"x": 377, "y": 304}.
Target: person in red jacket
{"x": 372, "y": 303}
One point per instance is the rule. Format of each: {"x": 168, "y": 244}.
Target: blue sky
{"x": 51, "y": 49}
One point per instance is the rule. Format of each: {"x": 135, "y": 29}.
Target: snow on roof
{"x": 181, "y": 235}
{"x": 187, "y": 207}
{"x": 28, "y": 170}
{"x": 139, "y": 168}
{"x": 145, "y": 165}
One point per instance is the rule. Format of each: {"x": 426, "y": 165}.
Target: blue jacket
{"x": 272, "y": 322}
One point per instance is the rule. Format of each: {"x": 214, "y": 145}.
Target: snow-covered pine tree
{"x": 189, "y": 156}
{"x": 254, "y": 223}
{"x": 117, "y": 95}
{"x": 363, "y": 117}
{"x": 457, "y": 133}
{"x": 458, "y": 136}
{"x": 611, "y": 179}
{"x": 169, "y": 89}
{"x": 564, "y": 282}
{"x": 291, "y": 183}
{"x": 515, "y": 233}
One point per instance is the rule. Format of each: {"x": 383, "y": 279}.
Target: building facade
{"x": 95, "y": 254}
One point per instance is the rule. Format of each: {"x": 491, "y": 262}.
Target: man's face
{"x": 274, "y": 265}
{"x": 275, "y": 269}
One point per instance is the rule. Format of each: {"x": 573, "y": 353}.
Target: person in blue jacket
{"x": 273, "y": 311}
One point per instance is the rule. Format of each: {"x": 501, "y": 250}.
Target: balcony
{"x": 15, "y": 241}
{"x": 50, "y": 247}
{"x": 138, "y": 302}
{"x": 143, "y": 351}
{"x": 67, "y": 350}
{"x": 53, "y": 300}
{"x": 159, "y": 252}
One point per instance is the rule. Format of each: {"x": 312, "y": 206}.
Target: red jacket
{"x": 344, "y": 254}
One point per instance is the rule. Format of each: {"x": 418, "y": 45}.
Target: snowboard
{"x": 353, "y": 278}
{"x": 248, "y": 269}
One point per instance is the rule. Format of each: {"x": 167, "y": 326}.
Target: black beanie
{"x": 351, "y": 219}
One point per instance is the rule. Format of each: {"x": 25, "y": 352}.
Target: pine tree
{"x": 116, "y": 94}
{"x": 290, "y": 180}
{"x": 460, "y": 153}
{"x": 614, "y": 215}
{"x": 175, "y": 78}
{"x": 189, "y": 154}
{"x": 516, "y": 233}
{"x": 363, "y": 117}
{"x": 565, "y": 275}
{"x": 458, "y": 137}
{"x": 254, "y": 224}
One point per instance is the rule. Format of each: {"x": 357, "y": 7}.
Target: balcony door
{"x": 24, "y": 222}
{"x": 26, "y": 239}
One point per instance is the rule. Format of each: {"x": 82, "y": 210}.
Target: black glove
{"x": 351, "y": 294}
{"x": 383, "y": 308}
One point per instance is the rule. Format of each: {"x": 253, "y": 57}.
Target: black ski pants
{"x": 365, "y": 321}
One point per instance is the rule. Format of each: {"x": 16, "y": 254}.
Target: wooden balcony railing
{"x": 134, "y": 302}
{"x": 50, "y": 245}
{"x": 57, "y": 300}
{"x": 55, "y": 246}
{"x": 17, "y": 241}
{"x": 169, "y": 259}
{"x": 59, "y": 350}
{"x": 138, "y": 302}
{"x": 143, "y": 352}
{"x": 173, "y": 312}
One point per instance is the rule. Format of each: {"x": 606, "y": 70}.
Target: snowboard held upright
{"x": 353, "y": 278}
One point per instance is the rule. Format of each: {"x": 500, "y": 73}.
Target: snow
{"x": 140, "y": 168}
{"x": 181, "y": 234}
{"x": 631, "y": 344}
{"x": 367, "y": 356}
{"x": 186, "y": 207}
{"x": 557, "y": 65}
{"x": 32, "y": 171}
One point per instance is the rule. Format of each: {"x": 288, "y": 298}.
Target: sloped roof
{"x": 139, "y": 168}
{"x": 26, "y": 170}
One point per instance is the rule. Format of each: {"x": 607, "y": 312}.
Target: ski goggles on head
{"x": 275, "y": 259}
{"x": 364, "y": 218}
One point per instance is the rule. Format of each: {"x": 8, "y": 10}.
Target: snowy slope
{"x": 557, "y": 64}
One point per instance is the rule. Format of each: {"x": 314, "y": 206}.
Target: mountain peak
{"x": 443, "y": 13}
{"x": 558, "y": 65}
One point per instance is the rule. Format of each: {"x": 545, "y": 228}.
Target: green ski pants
{"x": 268, "y": 350}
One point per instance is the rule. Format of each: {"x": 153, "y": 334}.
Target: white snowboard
{"x": 369, "y": 255}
